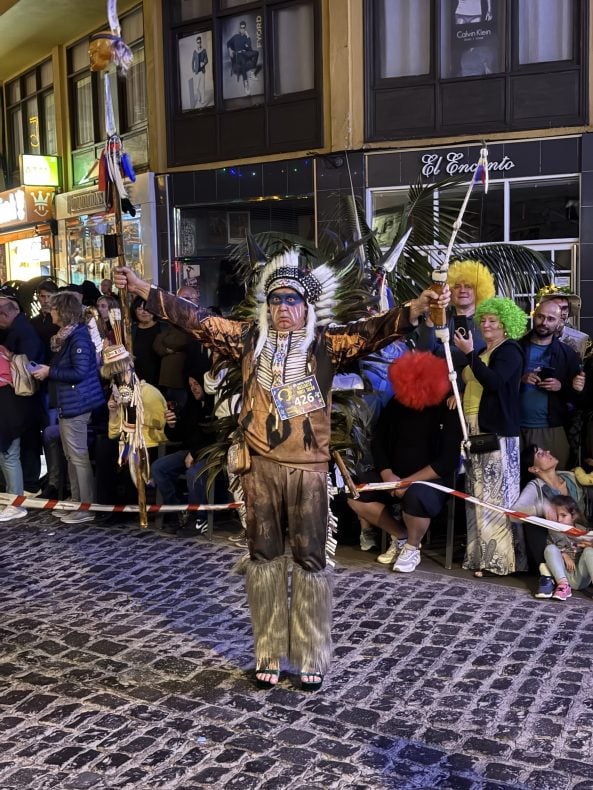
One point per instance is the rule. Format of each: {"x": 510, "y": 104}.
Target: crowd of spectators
{"x": 520, "y": 390}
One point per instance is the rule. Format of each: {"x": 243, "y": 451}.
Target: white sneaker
{"x": 11, "y": 512}
{"x": 246, "y": 88}
{"x": 394, "y": 549}
{"x": 368, "y": 539}
{"x": 77, "y": 517}
{"x": 408, "y": 560}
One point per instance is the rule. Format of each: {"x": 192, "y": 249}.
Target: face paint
{"x": 286, "y": 317}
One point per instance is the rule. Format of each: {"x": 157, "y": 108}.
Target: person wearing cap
{"x": 292, "y": 346}
{"x": 75, "y": 390}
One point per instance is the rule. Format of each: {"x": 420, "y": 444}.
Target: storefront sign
{"x": 455, "y": 163}
{"x": 26, "y": 206}
{"x": 517, "y": 159}
{"x": 86, "y": 202}
{"x": 40, "y": 170}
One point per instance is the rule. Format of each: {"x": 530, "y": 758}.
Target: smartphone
{"x": 546, "y": 373}
{"x": 460, "y": 323}
{"x": 32, "y": 366}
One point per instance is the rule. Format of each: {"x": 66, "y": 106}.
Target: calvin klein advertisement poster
{"x": 474, "y": 36}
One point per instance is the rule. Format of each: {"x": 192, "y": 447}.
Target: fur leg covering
{"x": 267, "y": 594}
{"x": 310, "y": 620}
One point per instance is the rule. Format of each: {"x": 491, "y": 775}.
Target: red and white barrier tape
{"x": 56, "y": 504}
{"x": 573, "y": 532}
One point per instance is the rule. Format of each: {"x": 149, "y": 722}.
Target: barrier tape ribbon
{"x": 573, "y": 532}
{"x": 68, "y": 505}
{"x": 56, "y": 504}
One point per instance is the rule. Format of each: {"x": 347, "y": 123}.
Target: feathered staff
{"x": 114, "y": 164}
{"x": 439, "y": 279}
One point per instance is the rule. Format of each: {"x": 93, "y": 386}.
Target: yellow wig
{"x": 475, "y": 274}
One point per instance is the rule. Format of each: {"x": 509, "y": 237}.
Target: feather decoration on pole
{"x": 439, "y": 279}
{"x": 115, "y": 165}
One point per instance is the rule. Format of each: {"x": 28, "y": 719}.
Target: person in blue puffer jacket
{"x": 75, "y": 390}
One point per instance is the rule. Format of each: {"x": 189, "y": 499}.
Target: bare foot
{"x": 268, "y": 676}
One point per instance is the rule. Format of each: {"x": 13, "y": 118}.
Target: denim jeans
{"x": 10, "y": 463}
{"x": 581, "y": 577}
{"x": 165, "y": 472}
{"x": 75, "y": 446}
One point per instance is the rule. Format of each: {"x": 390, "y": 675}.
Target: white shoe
{"x": 77, "y": 517}
{"x": 368, "y": 539}
{"x": 247, "y": 88}
{"x": 10, "y": 512}
{"x": 32, "y": 494}
{"x": 394, "y": 549}
{"x": 408, "y": 560}
{"x": 254, "y": 76}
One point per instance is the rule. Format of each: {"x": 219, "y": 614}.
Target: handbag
{"x": 239, "y": 457}
{"x": 22, "y": 381}
{"x": 483, "y": 443}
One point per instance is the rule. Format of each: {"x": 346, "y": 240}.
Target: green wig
{"x": 475, "y": 274}
{"x": 510, "y": 316}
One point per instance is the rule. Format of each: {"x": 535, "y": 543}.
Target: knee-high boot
{"x": 310, "y": 620}
{"x": 267, "y": 594}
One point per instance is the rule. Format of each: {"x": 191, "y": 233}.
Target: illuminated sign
{"x": 26, "y": 206}
{"x": 42, "y": 171}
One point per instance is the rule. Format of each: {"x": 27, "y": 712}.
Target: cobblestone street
{"x": 126, "y": 663}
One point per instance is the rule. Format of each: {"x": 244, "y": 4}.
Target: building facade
{"x": 261, "y": 115}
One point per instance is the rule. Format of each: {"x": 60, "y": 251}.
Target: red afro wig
{"x": 419, "y": 379}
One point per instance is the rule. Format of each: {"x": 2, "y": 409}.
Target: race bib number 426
{"x": 298, "y": 398}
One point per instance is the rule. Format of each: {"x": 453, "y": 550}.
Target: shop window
{"x": 14, "y": 92}
{"x": 294, "y": 49}
{"x": 544, "y": 210}
{"x": 46, "y": 74}
{"x": 79, "y": 56}
{"x": 136, "y": 90}
{"x": 18, "y": 143}
{"x": 473, "y": 66}
{"x": 83, "y": 103}
{"x": 132, "y": 27}
{"x": 30, "y": 83}
{"x": 388, "y": 209}
{"x": 33, "y": 126}
{"x": 546, "y": 30}
{"x": 31, "y": 116}
{"x": 259, "y": 57}
{"x": 472, "y": 38}
{"x": 49, "y": 120}
{"x": 403, "y": 38}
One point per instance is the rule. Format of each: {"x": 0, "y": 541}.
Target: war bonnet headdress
{"x": 317, "y": 286}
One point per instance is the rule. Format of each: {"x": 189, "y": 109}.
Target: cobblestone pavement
{"x": 125, "y": 662}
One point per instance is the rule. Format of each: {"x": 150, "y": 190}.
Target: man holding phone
{"x": 470, "y": 283}
{"x": 552, "y": 380}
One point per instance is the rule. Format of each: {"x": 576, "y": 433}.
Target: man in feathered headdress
{"x": 288, "y": 358}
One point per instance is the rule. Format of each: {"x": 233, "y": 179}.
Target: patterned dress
{"x": 494, "y": 543}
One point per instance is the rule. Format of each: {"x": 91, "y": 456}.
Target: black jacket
{"x": 566, "y": 363}
{"x": 406, "y": 440}
{"x": 499, "y": 404}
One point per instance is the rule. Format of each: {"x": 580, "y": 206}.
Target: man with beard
{"x": 551, "y": 381}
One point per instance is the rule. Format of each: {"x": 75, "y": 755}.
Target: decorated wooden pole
{"x": 105, "y": 48}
